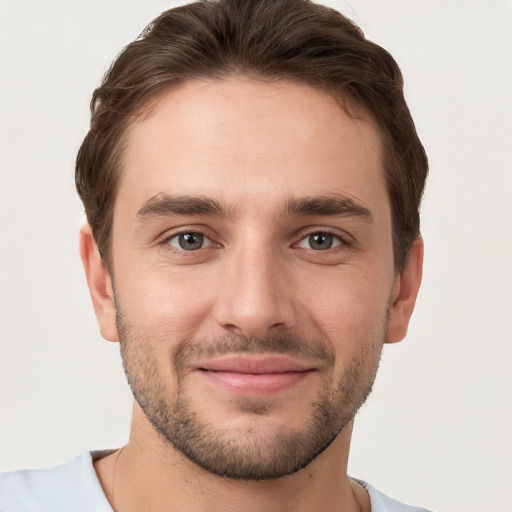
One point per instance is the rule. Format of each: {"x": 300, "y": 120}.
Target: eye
{"x": 320, "y": 241}
{"x": 189, "y": 241}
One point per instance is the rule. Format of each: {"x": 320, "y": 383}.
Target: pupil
{"x": 191, "y": 241}
{"x": 321, "y": 241}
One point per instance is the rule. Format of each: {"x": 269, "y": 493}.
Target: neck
{"x": 151, "y": 475}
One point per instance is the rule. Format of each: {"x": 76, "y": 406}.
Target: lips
{"x": 254, "y": 375}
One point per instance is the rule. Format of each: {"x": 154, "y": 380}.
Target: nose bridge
{"x": 255, "y": 298}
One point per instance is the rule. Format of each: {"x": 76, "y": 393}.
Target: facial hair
{"x": 245, "y": 453}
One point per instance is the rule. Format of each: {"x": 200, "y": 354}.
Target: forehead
{"x": 242, "y": 139}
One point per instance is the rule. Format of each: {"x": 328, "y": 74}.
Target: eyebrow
{"x": 327, "y": 206}
{"x": 163, "y": 205}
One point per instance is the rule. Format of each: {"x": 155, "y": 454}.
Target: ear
{"x": 100, "y": 285}
{"x": 405, "y": 291}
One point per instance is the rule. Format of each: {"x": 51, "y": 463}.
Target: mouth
{"x": 255, "y": 376}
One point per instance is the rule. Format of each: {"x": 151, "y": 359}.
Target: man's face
{"x": 253, "y": 271}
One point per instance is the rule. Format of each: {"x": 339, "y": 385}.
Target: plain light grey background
{"x": 437, "y": 430}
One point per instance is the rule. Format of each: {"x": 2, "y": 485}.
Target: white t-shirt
{"x": 74, "y": 487}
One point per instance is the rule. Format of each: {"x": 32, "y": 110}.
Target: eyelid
{"x": 336, "y": 242}
{"x": 206, "y": 240}
{"x": 184, "y": 230}
{"x": 343, "y": 238}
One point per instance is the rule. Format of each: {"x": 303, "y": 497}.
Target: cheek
{"x": 169, "y": 305}
{"x": 349, "y": 307}
{"x": 354, "y": 326}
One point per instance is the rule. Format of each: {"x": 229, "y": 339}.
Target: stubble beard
{"x": 246, "y": 454}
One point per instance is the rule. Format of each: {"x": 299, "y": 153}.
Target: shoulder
{"x": 382, "y": 503}
{"x": 71, "y": 486}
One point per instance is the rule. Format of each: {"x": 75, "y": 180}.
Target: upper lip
{"x": 259, "y": 364}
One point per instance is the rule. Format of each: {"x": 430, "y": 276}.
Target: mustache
{"x": 232, "y": 344}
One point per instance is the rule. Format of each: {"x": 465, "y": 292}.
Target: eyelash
{"x": 165, "y": 241}
{"x": 343, "y": 240}
{"x": 339, "y": 240}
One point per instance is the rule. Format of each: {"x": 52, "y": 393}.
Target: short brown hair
{"x": 268, "y": 39}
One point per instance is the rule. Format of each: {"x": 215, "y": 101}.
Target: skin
{"x": 254, "y": 148}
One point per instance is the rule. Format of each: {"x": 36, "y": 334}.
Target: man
{"x": 251, "y": 179}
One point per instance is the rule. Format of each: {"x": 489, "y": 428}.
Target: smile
{"x": 255, "y": 376}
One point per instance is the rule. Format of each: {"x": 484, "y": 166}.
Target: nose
{"x": 255, "y": 296}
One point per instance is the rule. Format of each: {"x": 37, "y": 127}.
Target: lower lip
{"x": 255, "y": 384}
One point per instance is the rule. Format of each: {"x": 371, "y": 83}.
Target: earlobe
{"x": 100, "y": 285}
{"x": 405, "y": 291}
